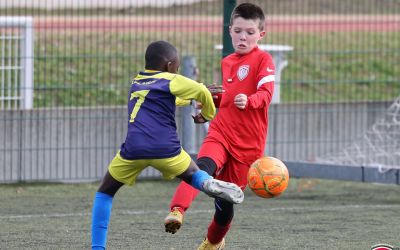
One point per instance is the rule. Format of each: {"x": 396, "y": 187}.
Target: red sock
{"x": 217, "y": 232}
{"x": 184, "y": 196}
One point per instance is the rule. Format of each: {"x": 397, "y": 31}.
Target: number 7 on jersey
{"x": 140, "y": 95}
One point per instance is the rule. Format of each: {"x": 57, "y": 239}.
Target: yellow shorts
{"x": 126, "y": 171}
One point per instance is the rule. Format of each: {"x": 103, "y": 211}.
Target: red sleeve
{"x": 265, "y": 84}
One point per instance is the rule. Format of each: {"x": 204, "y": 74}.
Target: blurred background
{"x": 66, "y": 66}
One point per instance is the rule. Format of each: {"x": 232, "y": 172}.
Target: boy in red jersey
{"x": 237, "y": 135}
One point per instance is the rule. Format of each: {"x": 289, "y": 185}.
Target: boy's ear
{"x": 262, "y": 34}
{"x": 168, "y": 68}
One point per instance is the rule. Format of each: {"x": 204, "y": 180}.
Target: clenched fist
{"x": 240, "y": 101}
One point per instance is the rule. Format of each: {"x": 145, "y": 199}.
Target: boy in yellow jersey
{"x": 152, "y": 139}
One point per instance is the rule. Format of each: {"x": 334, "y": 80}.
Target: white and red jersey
{"x": 244, "y": 132}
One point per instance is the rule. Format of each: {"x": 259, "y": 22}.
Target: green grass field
{"x": 311, "y": 214}
{"x": 89, "y": 68}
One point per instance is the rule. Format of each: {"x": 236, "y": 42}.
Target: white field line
{"x": 149, "y": 212}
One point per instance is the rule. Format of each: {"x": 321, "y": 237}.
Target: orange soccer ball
{"x": 268, "y": 177}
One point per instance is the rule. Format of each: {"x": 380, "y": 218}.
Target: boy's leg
{"x": 229, "y": 192}
{"x": 120, "y": 172}
{"x": 185, "y": 194}
{"x": 212, "y": 156}
{"x": 235, "y": 172}
{"x": 221, "y": 222}
{"x": 101, "y": 211}
{"x": 211, "y": 152}
{"x": 219, "y": 226}
{"x": 202, "y": 181}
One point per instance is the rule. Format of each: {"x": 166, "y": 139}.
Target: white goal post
{"x": 16, "y": 62}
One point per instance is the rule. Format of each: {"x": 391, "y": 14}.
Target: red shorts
{"x": 228, "y": 168}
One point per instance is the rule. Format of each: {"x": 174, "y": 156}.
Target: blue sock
{"x": 100, "y": 218}
{"x": 198, "y": 178}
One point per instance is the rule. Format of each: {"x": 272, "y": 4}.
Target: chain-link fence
{"x": 338, "y": 65}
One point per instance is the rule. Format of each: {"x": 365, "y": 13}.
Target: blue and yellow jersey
{"x": 151, "y": 113}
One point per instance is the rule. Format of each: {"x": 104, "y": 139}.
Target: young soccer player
{"x": 152, "y": 140}
{"x": 237, "y": 135}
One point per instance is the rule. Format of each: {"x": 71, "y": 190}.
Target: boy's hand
{"x": 198, "y": 105}
{"x": 199, "y": 118}
{"x": 216, "y": 92}
{"x": 215, "y": 89}
{"x": 240, "y": 101}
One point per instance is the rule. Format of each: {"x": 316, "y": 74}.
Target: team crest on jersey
{"x": 243, "y": 71}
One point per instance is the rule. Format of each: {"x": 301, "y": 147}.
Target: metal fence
{"x": 338, "y": 60}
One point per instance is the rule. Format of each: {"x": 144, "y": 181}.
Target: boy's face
{"x": 245, "y": 34}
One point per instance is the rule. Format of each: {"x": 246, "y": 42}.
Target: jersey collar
{"x": 149, "y": 72}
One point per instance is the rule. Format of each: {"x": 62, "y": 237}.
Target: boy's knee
{"x": 109, "y": 185}
{"x": 207, "y": 164}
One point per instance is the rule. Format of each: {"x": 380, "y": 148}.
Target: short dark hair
{"x": 249, "y": 11}
{"x": 158, "y": 54}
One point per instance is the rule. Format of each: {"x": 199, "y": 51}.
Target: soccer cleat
{"x": 224, "y": 190}
{"x": 206, "y": 245}
{"x": 173, "y": 221}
